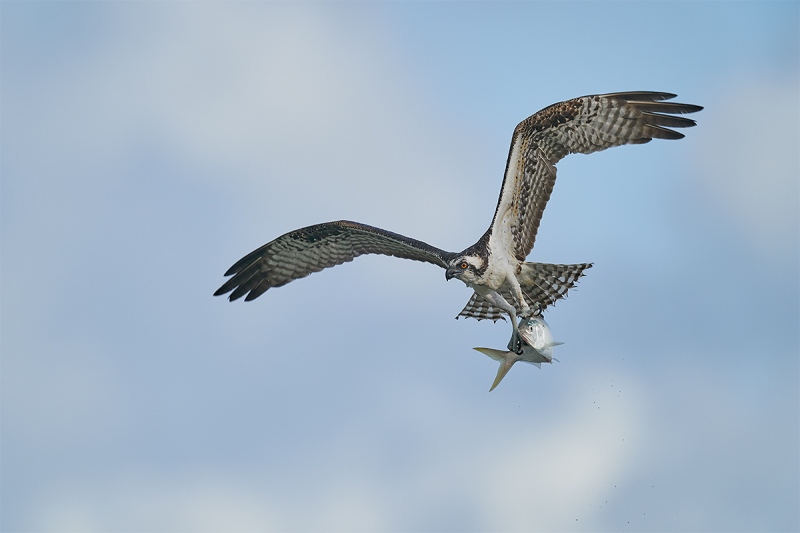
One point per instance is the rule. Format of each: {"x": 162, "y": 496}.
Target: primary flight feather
{"x": 494, "y": 267}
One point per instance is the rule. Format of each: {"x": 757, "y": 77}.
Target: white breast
{"x": 502, "y": 263}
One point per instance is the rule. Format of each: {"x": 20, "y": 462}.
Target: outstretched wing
{"x": 583, "y": 125}
{"x": 304, "y": 251}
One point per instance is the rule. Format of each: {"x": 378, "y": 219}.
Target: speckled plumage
{"x": 307, "y": 250}
{"x": 541, "y": 284}
{"x": 581, "y": 125}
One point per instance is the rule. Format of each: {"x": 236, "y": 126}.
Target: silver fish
{"x": 534, "y": 345}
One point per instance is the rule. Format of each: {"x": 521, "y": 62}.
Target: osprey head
{"x": 467, "y": 268}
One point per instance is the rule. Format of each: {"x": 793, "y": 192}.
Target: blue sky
{"x": 146, "y": 146}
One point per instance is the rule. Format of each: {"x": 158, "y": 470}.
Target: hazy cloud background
{"x": 147, "y": 146}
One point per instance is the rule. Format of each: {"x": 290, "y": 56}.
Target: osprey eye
{"x": 463, "y": 265}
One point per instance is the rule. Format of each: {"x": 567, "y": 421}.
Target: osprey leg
{"x": 497, "y": 300}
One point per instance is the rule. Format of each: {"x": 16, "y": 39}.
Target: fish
{"x": 534, "y": 345}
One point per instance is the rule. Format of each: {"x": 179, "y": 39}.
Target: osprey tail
{"x": 541, "y": 283}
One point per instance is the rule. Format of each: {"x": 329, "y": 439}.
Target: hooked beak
{"x": 450, "y": 273}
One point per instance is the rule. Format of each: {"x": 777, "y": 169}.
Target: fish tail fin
{"x": 497, "y": 355}
{"x": 505, "y": 366}
{"x": 506, "y": 360}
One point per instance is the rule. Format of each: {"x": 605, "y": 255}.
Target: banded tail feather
{"x": 541, "y": 283}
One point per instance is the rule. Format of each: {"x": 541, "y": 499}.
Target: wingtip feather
{"x": 657, "y": 132}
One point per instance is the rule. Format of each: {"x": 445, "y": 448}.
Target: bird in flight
{"x": 494, "y": 267}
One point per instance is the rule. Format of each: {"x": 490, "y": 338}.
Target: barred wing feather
{"x": 311, "y": 249}
{"x": 582, "y": 125}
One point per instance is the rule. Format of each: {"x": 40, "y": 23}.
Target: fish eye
{"x": 463, "y": 265}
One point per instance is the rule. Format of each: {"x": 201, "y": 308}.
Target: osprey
{"x": 494, "y": 267}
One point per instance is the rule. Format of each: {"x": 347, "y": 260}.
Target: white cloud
{"x": 559, "y": 476}
{"x": 504, "y": 478}
{"x": 284, "y": 109}
{"x": 750, "y": 162}
{"x": 284, "y": 104}
{"x": 153, "y": 503}
{"x": 290, "y": 106}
